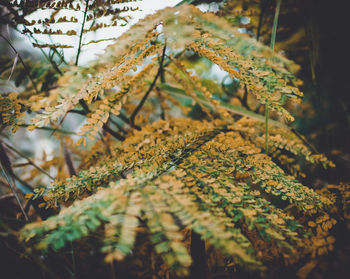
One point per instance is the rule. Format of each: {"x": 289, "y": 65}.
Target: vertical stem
{"x": 261, "y": 17}
{"x": 275, "y": 22}
{"x": 272, "y": 46}
{"x": 82, "y": 31}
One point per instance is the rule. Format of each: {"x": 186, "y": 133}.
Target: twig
{"x": 86, "y": 111}
{"x": 84, "y": 106}
{"x": 127, "y": 121}
{"x": 68, "y": 160}
{"x": 261, "y": 17}
{"x": 162, "y": 114}
{"x": 81, "y": 112}
{"x": 59, "y": 124}
{"x": 11, "y": 184}
{"x": 50, "y": 129}
{"x": 24, "y": 65}
{"x": 118, "y": 126}
{"x": 113, "y": 133}
{"x": 132, "y": 117}
{"x": 28, "y": 159}
{"x": 305, "y": 141}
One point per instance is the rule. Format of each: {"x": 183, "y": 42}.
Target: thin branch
{"x": 113, "y": 133}
{"x": 162, "y": 114}
{"x": 68, "y": 160}
{"x": 305, "y": 141}
{"x": 59, "y": 124}
{"x": 261, "y": 17}
{"x": 138, "y": 108}
{"x": 5, "y": 169}
{"x": 15, "y": 193}
{"x": 118, "y": 125}
{"x": 50, "y": 129}
{"x": 84, "y": 106}
{"x": 28, "y": 159}
{"x": 24, "y": 65}
{"x": 25, "y": 184}
{"x": 127, "y": 121}
{"x": 81, "y": 112}
{"x": 86, "y": 111}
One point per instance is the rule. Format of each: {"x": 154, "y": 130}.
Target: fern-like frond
{"x": 76, "y": 20}
{"x": 168, "y": 177}
{"x": 267, "y": 75}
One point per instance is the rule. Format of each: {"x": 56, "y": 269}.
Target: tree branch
{"x": 138, "y": 108}
{"x": 7, "y": 170}
{"x": 28, "y": 160}
{"x": 113, "y": 133}
{"x": 127, "y": 121}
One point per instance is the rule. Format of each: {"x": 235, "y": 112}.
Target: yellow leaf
{"x": 41, "y": 205}
{"x": 311, "y": 224}
{"x": 29, "y": 195}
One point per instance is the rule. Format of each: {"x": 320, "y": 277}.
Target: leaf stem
{"x": 274, "y": 27}
{"x": 82, "y": 31}
{"x": 272, "y": 46}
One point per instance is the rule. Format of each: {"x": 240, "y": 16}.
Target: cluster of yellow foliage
{"x": 265, "y": 74}
{"x": 10, "y": 108}
{"x": 210, "y": 180}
